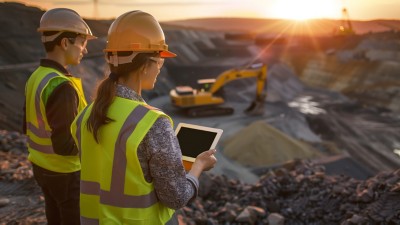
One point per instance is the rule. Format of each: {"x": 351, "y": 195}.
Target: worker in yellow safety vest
{"x": 53, "y": 98}
{"x": 132, "y": 171}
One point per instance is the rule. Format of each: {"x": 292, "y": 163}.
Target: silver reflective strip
{"x": 89, "y": 221}
{"x": 41, "y": 133}
{"x": 78, "y": 128}
{"x": 48, "y": 149}
{"x": 39, "y": 90}
{"x": 119, "y": 164}
{"x": 118, "y": 199}
{"x": 128, "y": 201}
{"x": 116, "y": 196}
{"x": 90, "y": 188}
{"x": 173, "y": 220}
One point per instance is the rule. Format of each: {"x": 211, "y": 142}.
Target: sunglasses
{"x": 78, "y": 41}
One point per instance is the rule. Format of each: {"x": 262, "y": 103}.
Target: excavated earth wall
{"x": 368, "y": 70}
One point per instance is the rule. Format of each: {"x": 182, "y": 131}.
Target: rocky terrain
{"x": 298, "y": 192}
{"x": 326, "y": 150}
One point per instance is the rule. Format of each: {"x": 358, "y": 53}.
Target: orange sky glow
{"x": 167, "y": 10}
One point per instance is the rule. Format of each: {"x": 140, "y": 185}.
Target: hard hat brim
{"x": 90, "y": 37}
{"x": 167, "y": 54}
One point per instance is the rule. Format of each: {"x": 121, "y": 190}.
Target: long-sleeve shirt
{"x": 160, "y": 158}
{"x": 61, "y": 106}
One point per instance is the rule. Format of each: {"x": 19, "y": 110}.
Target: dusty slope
{"x": 285, "y": 27}
{"x": 367, "y": 70}
{"x": 260, "y": 144}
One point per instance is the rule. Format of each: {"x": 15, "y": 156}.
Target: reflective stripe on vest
{"x": 40, "y": 131}
{"x": 40, "y": 146}
{"x": 78, "y": 130}
{"x": 89, "y": 221}
{"x": 115, "y": 196}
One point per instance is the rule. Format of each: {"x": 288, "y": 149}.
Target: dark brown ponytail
{"x": 98, "y": 117}
{"x": 107, "y": 90}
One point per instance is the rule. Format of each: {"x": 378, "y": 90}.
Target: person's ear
{"x": 64, "y": 43}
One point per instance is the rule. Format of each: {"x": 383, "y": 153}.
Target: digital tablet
{"x": 195, "y": 139}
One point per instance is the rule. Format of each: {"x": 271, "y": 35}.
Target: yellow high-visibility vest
{"x": 113, "y": 186}
{"x": 38, "y": 131}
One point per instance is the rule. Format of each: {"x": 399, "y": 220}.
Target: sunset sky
{"x": 165, "y": 10}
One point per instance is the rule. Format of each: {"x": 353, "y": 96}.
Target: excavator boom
{"x": 234, "y": 74}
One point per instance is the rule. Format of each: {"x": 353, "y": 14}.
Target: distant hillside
{"x": 207, "y": 47}
{"x": 286, "y": 27}
{"x": 20, "y": 39}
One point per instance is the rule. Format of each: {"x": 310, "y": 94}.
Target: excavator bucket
{"x": 256, "y": 107}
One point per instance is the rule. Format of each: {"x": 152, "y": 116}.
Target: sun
{"x": 305, "y": 9}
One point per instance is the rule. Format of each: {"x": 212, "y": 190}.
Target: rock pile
{"x": 13, "y": 160}
{"x": 297, "y": 193}
{"x": 12, "y": 141}
{"x": 14, "y": 167}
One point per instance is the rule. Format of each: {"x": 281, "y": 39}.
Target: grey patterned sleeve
{"x": 195, "y": 183}
{"x": 173, "y": 186}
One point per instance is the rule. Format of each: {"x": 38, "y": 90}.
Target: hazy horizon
{"x": 170, "y": 10}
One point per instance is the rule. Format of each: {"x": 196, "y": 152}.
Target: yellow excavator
{"x": 204, "y": 101}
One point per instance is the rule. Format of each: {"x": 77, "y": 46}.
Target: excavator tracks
{"x": 205, "y": 111}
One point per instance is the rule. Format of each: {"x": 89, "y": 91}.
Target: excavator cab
{"x": 185, "y": 90}
{"x": 205, "y": 84}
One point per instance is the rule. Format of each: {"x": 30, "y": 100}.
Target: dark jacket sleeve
{"x": 61, "y": 109}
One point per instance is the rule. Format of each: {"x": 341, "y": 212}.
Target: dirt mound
{"x": 260, "y": 144}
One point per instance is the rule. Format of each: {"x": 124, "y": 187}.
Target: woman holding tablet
{"x": 132, "y": 170}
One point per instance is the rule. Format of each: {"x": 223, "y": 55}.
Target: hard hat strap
{"x": 50, "y": 38}
{"x": 116, "y": 60}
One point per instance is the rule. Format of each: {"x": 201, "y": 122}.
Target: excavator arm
{"x": 234, "y": 74}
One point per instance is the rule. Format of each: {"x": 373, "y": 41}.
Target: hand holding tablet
{"x": 195, "y": 139}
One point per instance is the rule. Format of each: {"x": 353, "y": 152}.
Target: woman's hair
{"x": 107, "y": 90}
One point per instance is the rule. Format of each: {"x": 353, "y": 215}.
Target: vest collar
{"x": 55, "y": 65}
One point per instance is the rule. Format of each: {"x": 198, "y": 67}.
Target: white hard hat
{"x": 63, "y": 20}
